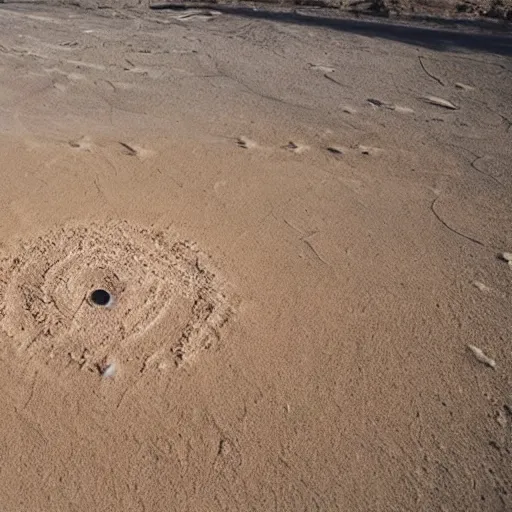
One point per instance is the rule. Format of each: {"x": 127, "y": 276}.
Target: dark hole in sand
{"x": 101, "y": 297}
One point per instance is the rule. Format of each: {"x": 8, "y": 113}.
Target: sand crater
{"x": 165, "y": 299}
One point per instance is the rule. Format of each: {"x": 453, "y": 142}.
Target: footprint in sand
{"x": 246, "y": 143}
{"x": 135, "y": 150}
{"x": 86, "y": 144}
{"x": 82, "y": 144}
{"x": 337, "y": 150}
{"x": 369, "y": 150}
{"x": 295, "y": 148}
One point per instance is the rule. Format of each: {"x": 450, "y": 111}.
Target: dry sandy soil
{"x": 299, "y": 220}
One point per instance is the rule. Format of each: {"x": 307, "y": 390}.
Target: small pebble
{"x": 480, "y": 356}
{"x": 109, "y": 371}
{"x": 464, "y": 87}
{"x": 506, "y": 256}
{"x": 481, "y": 286}
{"x": 501, "y": 419}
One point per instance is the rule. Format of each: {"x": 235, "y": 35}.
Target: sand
{"x": 301, "y": 229}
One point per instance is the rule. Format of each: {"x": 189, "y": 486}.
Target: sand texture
{"x": 304, "y": 225}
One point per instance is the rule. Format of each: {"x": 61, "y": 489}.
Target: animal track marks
{"x": 339, "y": 151}
{"x": 85, "y": 143}
{"x": 335, "y": 150}
{"x": 246, "y": 143}
{"x": 135, "y": 150}
{"x": 82, "y": 144}
{"x": 295, "y": 148}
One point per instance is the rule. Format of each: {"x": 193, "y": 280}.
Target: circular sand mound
{"x": 113, "y": 290}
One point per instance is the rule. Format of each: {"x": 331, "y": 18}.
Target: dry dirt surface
{"x": 302, "y": 228}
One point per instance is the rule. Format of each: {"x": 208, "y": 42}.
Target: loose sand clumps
{"x": 101, "y": 289}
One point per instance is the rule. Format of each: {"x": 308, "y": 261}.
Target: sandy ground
{"x": 299, "y": 225}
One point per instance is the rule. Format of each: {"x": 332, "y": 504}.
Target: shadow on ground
{"x": 429, "y": 37}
